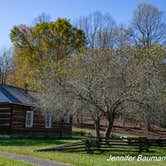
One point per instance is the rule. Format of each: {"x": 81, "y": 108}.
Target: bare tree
{"x": 106, "y": 85}
{"x": 148, "y": 25}
{"x": 114, "y": 82}
{"x": 149, "y": 98}
{"x": 149, "y": 30}
{"x": 53, "y": 96}
{"x": 99, "y": 30}
{"x": 43, "y": 17}
{"x": 100, "y": 82}
{"x": 5, "y": 64}
{"x": 123, "y": 36}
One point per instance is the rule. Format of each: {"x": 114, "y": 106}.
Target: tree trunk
{"x": 147, "y": 122}
{"x": 110, "y": 126}
{"x": 123, "y": 120}
{"x": 81, "y": 118}
{"x": 147, "y": 119}
{"x": 97, "y": 127}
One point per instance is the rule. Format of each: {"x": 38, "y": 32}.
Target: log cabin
{"x": 18, "y": 117}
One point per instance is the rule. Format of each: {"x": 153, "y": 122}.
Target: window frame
{"x": 67, "y": 118}
{"x": 49, "y": 120}
{"x": 31, "y": 119}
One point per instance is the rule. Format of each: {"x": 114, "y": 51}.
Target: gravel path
{"x": 33, "y": 160}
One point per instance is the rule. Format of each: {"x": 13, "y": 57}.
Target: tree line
{"x": 94, "y": 65}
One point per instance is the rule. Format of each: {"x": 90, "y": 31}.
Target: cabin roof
{"x": 16, "y": 95}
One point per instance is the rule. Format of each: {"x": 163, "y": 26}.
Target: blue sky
{"x": 15, "y": 12}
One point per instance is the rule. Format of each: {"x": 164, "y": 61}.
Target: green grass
{"x": 27, "y": 146}
{"x": 9, "y": 162}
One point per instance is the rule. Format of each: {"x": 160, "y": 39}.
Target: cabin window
{"x": 29, "y": 119}
{"x": 48, "y": 120}
{"x": 67, "y": 118}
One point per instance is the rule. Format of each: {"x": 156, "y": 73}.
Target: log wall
{"x": 5, "y": 117}
{"x": 18, "y": 117}
{"x": 13, "y": 117}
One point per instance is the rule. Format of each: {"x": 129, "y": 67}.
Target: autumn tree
{"x": 46, "y": 42}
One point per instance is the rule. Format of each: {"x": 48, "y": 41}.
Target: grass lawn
{"x": 27, "y": 146}
{"x": 10, "y": 162}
